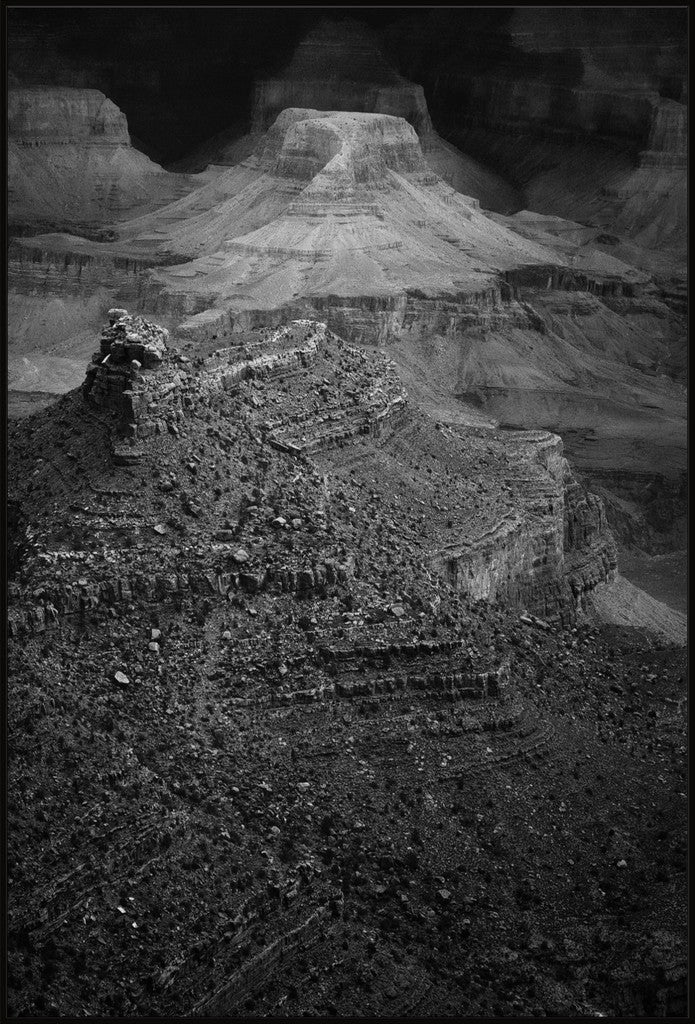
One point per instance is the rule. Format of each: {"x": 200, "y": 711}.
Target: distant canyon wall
{"x": 545, "y": 57}
{"x": 71, "y": 164}
{"x": 41, "y": 115}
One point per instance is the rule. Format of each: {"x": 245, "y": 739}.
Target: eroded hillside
{"x": 304, "y": 643}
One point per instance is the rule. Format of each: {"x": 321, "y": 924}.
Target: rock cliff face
{"x": 341, "y": 62}
{"x": 668, "y": 139}
{"x": 38, "y": 116}
{"x": 549, "y": 552}
{"x": 347, "y": 148}
{"x": 71, "y": 163}
{"x": 589, "y": 546}
{"x": 652, "y": 201}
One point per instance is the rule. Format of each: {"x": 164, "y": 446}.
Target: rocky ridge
{"x": 541, "y": 540}
{"x": 234, "y": 606}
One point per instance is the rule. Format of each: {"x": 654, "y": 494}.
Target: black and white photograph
{"x": 346, "y": 510}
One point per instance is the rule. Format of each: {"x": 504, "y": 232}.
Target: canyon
{"x": 342, "y": 443}
{"x": 540, "y": 321}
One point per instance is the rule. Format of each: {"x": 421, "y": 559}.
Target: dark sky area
{"x": 181, "y": 74}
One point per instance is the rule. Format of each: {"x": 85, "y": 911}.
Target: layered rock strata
{"x": 341, "y": 61}
{"x": 39, "y": 116}
{"x": 358, "y": 209}
{"x": 277, "y": 627}
{"x": 543, "y": 543}
{"x": 71, "y": 163}
{"x": 340, "y": 66}
{"x": 338, "y": 216}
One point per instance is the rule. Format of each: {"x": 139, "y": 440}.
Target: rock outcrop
{"x": 540, "y": 542}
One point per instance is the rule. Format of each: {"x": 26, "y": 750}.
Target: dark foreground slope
{"x": 270, "y": 754}
{"x": 410, "y": 858}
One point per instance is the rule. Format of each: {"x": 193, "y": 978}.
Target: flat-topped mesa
{"x": 346, "y": 206}
{"x": 340, "y": 64}
{"x": 40, "y": 115}
{"x": 357, "y": 147}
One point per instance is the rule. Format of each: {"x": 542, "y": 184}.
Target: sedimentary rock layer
{"x": 539, "y": 541}
{"x": 338, "y": 215}
{"x": 71, "y": 162}
{"x": 343, "y": 62}
{"x": 340, "y": 66}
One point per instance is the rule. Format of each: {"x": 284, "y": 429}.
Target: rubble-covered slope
{"x": 291, "y": 696}
{"x": 300, "y": 392}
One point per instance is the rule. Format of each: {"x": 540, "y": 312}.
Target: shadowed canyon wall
{"x": 573, "y": 69}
